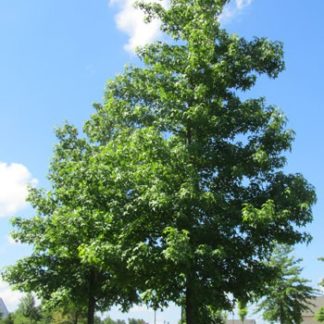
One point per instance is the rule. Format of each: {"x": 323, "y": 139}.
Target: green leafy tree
{"x": 69, "y": 313}
{"x": 136, "y": 321}
{"x": 194, "y": 170}
{"x": 108, "y": 320}
{"x": 60, "y": 269}
{"x": 288, "y": 296}
{"x": 320, "y": 315}
{"x": 178, "y": 191}
{"x": 7, "y": 320}
{"x": 27, "y": 307}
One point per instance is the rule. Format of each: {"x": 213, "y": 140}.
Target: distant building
{"x": 3, "y": 309}
{"x": 309, "y": 316}
{"x": 248, "y": 321}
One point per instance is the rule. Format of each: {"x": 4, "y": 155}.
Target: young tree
{"x": 320, "y": 315}
{"x": 136, "y": 321}
{"x": 109, "y": 320}
{"x": 287, "y": 297}
{"x": 205, "y": 198}
{"x": 27, "y": 307}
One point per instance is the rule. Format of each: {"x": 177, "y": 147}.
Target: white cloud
{"x": 140, "y": 308}
{"x": 233, "y": 9}
{"x": 131, "y": 21}
{"x": 240, "y": 4}
{"x": 11, "y": 298}
{"x": 14, "y": 179}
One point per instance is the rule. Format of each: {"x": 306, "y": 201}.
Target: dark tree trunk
{"x": 190, "y": 305}
{"x": 91, "y": 309}
{"x": 76, "y": 318}
{"x": 91, "y": 297}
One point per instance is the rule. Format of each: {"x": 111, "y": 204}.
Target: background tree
{"x": 136, "y": 321}
{"x": 242, "y": 311}
{"x": 7, "y": 320}
{"x": 108, "y": 320}
{"x": 27, "y": 307}
{"x": 59, "y": 269}
{"x": 69, "y": 313}
{"x": 289, "y": 295}
{"x": 320, "y": 315}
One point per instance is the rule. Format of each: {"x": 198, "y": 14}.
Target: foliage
{"x": 7, "y": 320}
{"x": 177, "y": 191}
{"x": 194, "y": 170}
{"x": 320, "y": 315}
{"x": 27, "y": 309}
{"x": 108, "y": 320}
{"x": 288, "y": 296}
{"x": 136, "y": 321}
{"x": 67, "y": 315}
{"x": 60, "y": 269}
{"x": 242, "y": 311}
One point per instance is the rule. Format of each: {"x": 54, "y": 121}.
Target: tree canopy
{"x": 206, "y": 197}
{"x": 320, "y": 315}
{"x": 177, "y": 191}
{"x": 58, "y": 269}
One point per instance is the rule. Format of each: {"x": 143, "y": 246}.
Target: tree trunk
{"x": 76, "y": 317}
{"x": 91, "y": 309}
{"x": 91, "y": 297}
{"x": 190, "y": 305}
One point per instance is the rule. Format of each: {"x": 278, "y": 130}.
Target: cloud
{"x": 14, "y": 179}
{"x": 131, "y": 21}
{"x": 240, "y": 4}
{"x": 11, "y": 298}
{"x": 140, "y": 309}
{"x": 233, "y": 9}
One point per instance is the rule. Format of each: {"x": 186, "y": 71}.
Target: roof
{"x": 3, "y": 309}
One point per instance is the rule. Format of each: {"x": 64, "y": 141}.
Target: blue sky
{"x": 56, "y": 57}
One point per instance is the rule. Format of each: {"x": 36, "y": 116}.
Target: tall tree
{"x": 181, "y": 194}
{"x": 205, "y": 198}
{"x": 288, "y": 296}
